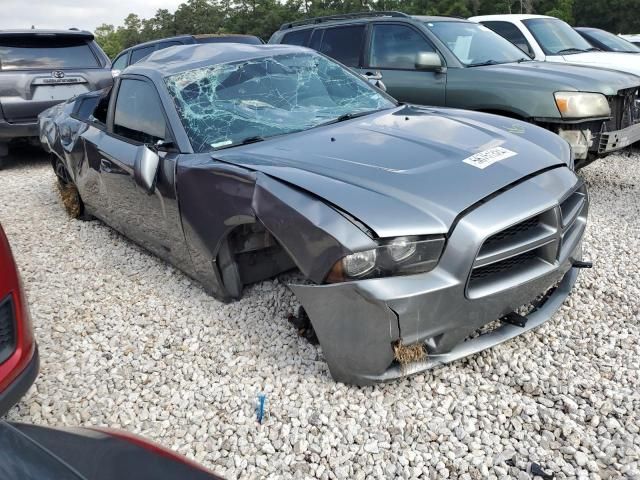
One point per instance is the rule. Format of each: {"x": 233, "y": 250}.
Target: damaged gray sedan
{"x": 425, "y": 234}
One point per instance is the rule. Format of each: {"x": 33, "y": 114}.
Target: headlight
{"x": 397, "y": 256}
{"x": 582, "y": 105}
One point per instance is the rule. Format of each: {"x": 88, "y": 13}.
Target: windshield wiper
{"x": 348, "y": 116}
{"x": 483, "y": 64}
{"x": 571, "y": 50}
{"x": 244, "y": 141}
{"x": 525, "y": 59}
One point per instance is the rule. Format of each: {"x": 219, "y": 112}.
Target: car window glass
{"x": 512, "y": 33}
{"x": 139, "y": 115}
{"x": 474, "y": 44}
{"x": 120, "y": 63}
{"x": 612, "y": 42}
{"x": 19, "y": 53}
{"x": 396, "y": 46}
{"x": 297, "y": 38}
{"x": 221, "y": 105}
{"x": 344, "y": 44}
{"x": 556, "y": 37}
{"x": 316, "y": 39}
{"x": 140, "y": 53}
{"x": 168, "y": 44}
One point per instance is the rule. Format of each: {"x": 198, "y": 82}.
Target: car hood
{"x": 402, "y": 172}
{"x": 625, "y": 62}
{"x": 569, "y": 77}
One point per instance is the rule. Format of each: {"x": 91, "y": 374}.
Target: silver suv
{"x": 39, "y": 68}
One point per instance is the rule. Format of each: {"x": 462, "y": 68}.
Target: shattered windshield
{"x": 235, "y": 103}
{"x": 474, "y": 44}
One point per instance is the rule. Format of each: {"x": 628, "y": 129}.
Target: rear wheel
{"x": 69, "y": 192}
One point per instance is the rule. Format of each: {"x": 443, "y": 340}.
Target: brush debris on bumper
{"x": 502, "y": 255}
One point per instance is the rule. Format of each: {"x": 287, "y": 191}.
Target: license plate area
{"x": 57, "y": 92}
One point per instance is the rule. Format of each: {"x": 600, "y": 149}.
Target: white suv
{"x": 549, "y": 39}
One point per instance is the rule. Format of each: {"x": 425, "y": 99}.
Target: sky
{"x": 83, "y": 14}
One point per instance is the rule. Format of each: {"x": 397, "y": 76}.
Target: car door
{"x": 391, "y": 56}
{"x": 137, "y": 120}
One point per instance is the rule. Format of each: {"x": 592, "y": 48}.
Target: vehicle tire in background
{"x": 69, "y": 193}
{"x": 4, "y": 151}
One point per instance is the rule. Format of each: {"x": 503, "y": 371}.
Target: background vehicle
{"x": 635, "y": 39}
{"x": 31, "y": 452}
{"x": 136, "y": 53}
{"x": 606, "y": 41}
{"x": 551, "y": 40}
{"x": 237, "y": 163}
{"x": 457, "y": 63}
{"x": 19, "y": 361}
{"x": 39, "y": 68}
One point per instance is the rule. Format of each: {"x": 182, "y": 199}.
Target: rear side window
{"x": 139, "y": 115}
{"x": 344, "y": 44}
{"x": 140, "y": 53}
{"x": 301, "y": 37}
{"x": 32, "y": 52}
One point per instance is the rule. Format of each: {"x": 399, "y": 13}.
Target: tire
{"x": 69, "y": 193}
{"x": 4, "y": 151}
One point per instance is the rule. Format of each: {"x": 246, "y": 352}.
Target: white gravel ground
{"x": 127, "y": 341}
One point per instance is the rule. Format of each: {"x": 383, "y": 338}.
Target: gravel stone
{"x": 127, "y": 341}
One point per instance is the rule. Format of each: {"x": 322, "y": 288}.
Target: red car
{"x": 32, "y": 452}
{"x": 19, "y": 361}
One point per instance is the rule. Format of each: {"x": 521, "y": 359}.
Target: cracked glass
{"x": 233, "y": 103}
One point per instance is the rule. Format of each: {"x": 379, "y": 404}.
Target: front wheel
{"x": 69, "y": 193}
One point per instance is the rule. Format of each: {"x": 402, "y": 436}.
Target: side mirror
{"x": 115, "y": 73}
{"x": 428, "y": 61}
{"x": 145, "y": 168}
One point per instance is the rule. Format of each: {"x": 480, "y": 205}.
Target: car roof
{"x": 183, "y": 37}
{"x": 509, "y": 16}
{"x": 435, "y": 18}
{"x": 182, "y": 58}
{"x": 37, "y": 32}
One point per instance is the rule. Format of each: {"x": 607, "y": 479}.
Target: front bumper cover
{"x": 357, "y": 323}
{"x": 16, "y": 389}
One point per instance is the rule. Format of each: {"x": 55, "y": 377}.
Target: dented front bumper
{"x": 358, "y": 323}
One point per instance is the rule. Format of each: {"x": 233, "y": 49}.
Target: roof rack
{"x": 342, "y": 16}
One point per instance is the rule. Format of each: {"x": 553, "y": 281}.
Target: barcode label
{"x": 485, "y": 158}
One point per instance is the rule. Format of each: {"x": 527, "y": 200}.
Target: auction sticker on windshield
{"x": 488, "y": 157}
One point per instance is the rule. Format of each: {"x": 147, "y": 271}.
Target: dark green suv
{"x": 454, "y": 62}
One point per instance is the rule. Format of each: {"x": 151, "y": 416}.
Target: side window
{"x": 316, "y": 39}
{"x": 344, "y": 44}
{"x": 140, "y": 53}
{"x": 120, "y": 63}
{"x": 300, "y": 38}
{"x": 139, "y": 115}
{"x": 512, "y": 33}
{"x": 396, "y": 46}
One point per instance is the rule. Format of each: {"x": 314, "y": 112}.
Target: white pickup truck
{"x": 549, "y": 39}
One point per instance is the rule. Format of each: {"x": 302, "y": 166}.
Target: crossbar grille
{"x": 7, "y": 329}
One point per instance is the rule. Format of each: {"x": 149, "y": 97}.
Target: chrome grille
{"x": 7, "y": 329}
{"x": 529, "y": 248}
